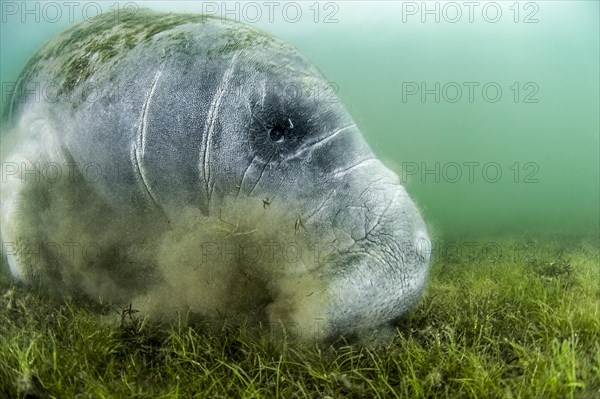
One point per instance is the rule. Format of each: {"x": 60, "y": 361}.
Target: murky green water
{"x": 493, "y": 125}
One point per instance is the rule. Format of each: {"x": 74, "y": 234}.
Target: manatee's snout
{"x": 385, "y": 222}
{"x": 383, "y": 249}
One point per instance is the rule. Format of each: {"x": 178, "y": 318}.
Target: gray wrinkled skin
{"x": 187, "y": 113}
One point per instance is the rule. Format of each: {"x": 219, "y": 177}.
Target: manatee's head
{"x": 280, "y": 139}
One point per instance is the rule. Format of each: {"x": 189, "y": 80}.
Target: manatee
{"x": 183, "y": 163}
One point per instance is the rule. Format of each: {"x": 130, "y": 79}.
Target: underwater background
{"x": 488, "y": 111}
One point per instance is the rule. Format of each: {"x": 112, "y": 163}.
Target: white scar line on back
{"x": 209, "y": 127}
{"x": 140, "y": 144}
{"x": 144, "y": 119}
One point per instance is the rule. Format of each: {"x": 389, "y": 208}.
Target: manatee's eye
{"x": 277, "y": 133}
{"x": 279, "y": 126}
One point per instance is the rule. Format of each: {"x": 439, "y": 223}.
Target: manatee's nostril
{"x": 277, "y": 134}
